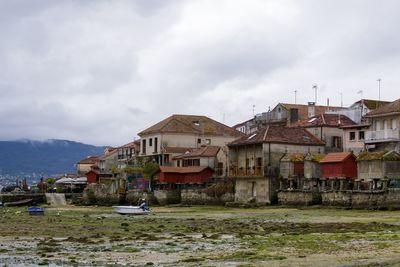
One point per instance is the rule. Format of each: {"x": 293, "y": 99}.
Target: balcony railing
{"x": 244, "y": 172}
{"x": 382, "y": 136}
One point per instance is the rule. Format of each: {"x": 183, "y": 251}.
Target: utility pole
{"x": 295, "y": 96}
{"x": 315, "y": 87}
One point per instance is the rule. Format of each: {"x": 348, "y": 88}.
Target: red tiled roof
{"x": 279, "y": 134}
{"x": 337, "y": 157}
{"x": 333, "y": 120}
{"x": 89, "y": 160}
{"x": 191, "y": 124}
{"x": 391, "y": 108}
{"x": 206, "y": 151}
{"x": 191, "y": 169}
{"x": 176, "y": 150}
{"x": 371, "y": 103}
{"x": 105, "y": 156}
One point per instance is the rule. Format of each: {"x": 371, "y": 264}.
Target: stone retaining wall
{"x": 11, "y": 197}
{"x": 196, "y": 197}
{"x": 299, "y": 197}
{"x": 166, "y": 197}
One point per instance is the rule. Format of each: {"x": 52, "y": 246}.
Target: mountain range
{"x": 50, "y": 157}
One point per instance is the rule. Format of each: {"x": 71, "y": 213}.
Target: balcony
{"x": 387, "y": 135}
{"x": 246, "y": 172}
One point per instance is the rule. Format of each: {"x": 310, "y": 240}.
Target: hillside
{"x": 49, "y": 157}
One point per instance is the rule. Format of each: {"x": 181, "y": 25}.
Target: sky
{"x": 99, "y": 72}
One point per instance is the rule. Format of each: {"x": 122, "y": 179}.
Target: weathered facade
{"x": 255, "y": 160}
{"x": 384, "y": 133}
{"x": 179, "y": 133}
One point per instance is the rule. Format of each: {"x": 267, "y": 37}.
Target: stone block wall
{"x": 299, "y": 197}
{"x": 336, "y": 198}
{"x": 166, "y": 197}
{"x": 196, "y": 197}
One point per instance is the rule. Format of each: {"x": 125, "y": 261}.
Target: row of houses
{"x": 194, "y": 151}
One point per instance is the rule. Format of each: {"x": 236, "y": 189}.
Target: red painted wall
{"x": 298, "y": 168}
{"x": 348, "y": 169}
{"x": 92, "y": 177}
{"x": 186, "y": 178}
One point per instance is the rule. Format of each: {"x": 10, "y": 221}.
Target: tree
{"x": 150, "y": 169}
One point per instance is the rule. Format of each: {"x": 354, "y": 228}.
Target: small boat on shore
{"x": 133, "y": 210}
{"x": 18, "y": 203}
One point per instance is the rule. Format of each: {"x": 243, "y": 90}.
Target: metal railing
{"x": 382, "y": 135}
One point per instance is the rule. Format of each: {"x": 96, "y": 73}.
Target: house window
{"x": 361, "y": 135}
{"x": 394, "y": 123}
{"x": 382, "y": 125}
{"x": 336, "y": 142}
{"x": 199, "y": 141}
{"x": 220, "y": 168}
{"x": 144, "y": 146}
{"x": 352, "y": 136}
{"x": 155, "y": 144}
{"x": 178, "y": 163}
{"x": 151, "y": 142}
{"x": 166, "y": 158}
{"x": 196, "y": 162}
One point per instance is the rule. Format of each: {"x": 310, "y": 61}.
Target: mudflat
{"x": 200, "y": 236}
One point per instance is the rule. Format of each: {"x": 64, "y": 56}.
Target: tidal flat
{"x": 200, "y": 236}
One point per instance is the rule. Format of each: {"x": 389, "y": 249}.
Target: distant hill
{"x": 48, "y": 157}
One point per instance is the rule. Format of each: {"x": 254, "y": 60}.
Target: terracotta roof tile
{"x": 206, "y": 151}
{"x": 279, "y": 134}
{"x": 337, "y": 157}
{"x": 391, "y": 108}
{"x": 191, "y": 169}
{"x": 176, "y": 150}
{"x": 191, "y": 124}
{"x": 89, "y": 160}
{"x": 333, "y": 120}
{"x": 371, "y": 103}
{"x": 303, "y": 109}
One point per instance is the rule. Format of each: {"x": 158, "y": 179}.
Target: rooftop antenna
{"x": 341, "y": 99}
{"x": 361, "y": 94}
{"x": 315, "y": 87}
{"x": 223, "y": 118}
{"x": 295, "y": 96}
{"x": 379, "y": 88}
{"x": 254, "y": 106}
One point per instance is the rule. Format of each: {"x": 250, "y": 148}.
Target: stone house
{"x": 85, "y": 165}
{"x": 127, "y": 154}
{"x": 377, "y": 169}
{"x": 214, "y": 157}
{"x": 254, "y": 160}
{"x": 327, "y": 127}
{"x": 177, "y": 134}
{"x": 384, "y": 133}
{"x": 108, "y": 160}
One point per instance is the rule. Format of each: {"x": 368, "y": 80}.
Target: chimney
{"x": 311, "y": 109}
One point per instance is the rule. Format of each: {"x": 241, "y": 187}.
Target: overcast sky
{"x": 99, "y": 72}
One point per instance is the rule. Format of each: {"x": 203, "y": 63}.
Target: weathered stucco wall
{"x": 312, "y": 169}
{"x": 196, "y": 197}
{"x": 166, "y": 197}
{"x": 253, "y": 190}
{"x": 299, "y": 198}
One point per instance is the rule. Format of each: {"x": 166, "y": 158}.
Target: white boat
{"x": 134, "y": 210}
